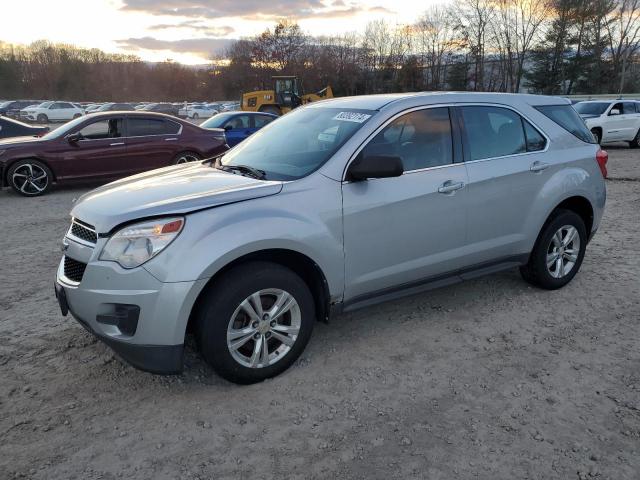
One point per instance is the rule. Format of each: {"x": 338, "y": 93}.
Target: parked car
{"x": 104, "y": 146}
{"x": 166, "y": 108}
{"x": 230, "y": 107}
{"x": 12, "y": 108}
{"x": 51, "y": 112}
{"x": 337, "y": 205}
{"x": 13, "y": 128}
{"x": 92, "y": 107}
{"x": 114, "y": 107}
{"x": 239, "y": 125}
{"x": 196, "y": 111}
{"x": 612, "y": 120}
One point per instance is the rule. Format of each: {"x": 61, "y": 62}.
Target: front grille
{"x": 73, "y": 269}
{"x": 84, "y": 232}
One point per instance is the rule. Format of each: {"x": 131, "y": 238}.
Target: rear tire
{"x": 195, "y": 116}
{"x": 558, "y": 252}
{"x": 29, "y": 178}
{"x": 185, "y": 157}
{"x": 240, "y": 312}
{"x": 635, "y": 143}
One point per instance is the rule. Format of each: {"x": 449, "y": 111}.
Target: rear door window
{"x": 261, "y": 120}
{"x": 142, "y": 127}
{"x": 568, "y": 118}
{"x": 422, "y": 139}
{"x": 493, "y": 132}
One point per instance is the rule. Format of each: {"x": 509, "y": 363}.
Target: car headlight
{"x": 135, "y": 244}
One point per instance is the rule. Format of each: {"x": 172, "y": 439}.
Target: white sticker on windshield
{"x": 352, "y": 117}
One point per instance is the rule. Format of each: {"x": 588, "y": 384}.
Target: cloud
{"x": 203, "y": 47}
{"x": 208, "y": 30}
{"x": 251, "y": 9}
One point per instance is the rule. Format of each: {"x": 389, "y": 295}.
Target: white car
{"x": 612, "y": 120}
{"x": 51, "y": 112}
{"x": 196, "y": 111}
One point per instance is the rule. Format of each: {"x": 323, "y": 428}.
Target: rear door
{"x": 100, "y": 153}
{"x": 402, "y": 231}
{"x": 151, "y": 142}
{"x": 507, "y": 167}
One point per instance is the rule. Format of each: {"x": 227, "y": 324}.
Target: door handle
{"x": 170, "y": 139}
{"x": 116, "y": 144}
{"x": 450, "y": 186}
{"x": 538, "y": 166}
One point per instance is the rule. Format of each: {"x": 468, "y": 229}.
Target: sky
{"x": 187, "y": 31}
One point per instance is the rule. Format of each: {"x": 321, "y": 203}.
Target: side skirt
{"x": 429, "y": 283}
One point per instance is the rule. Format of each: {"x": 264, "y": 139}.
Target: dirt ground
{"x": 489, "y": 379}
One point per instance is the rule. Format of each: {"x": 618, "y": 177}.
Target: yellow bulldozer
{"x": 283, "y": 98}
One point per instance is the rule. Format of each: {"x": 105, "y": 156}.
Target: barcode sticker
{"x": 352, "y": 117}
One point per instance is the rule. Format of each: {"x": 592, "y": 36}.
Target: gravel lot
{"x": 487, "y": 379}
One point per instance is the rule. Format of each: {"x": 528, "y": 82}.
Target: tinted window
{"x": 111, "y": 128}
{"x": 261, "y": 120}
{"x": 591, "y": 108}
{"x": 568, "y": 118}
{"x": 628, "y": 107}
{"x": 139, "y": 127}
{"x": 238, "y": 122}
{"x": 535, "y": 140}
{"x": 422, "y": 139}
{"x": 493, "y": 132}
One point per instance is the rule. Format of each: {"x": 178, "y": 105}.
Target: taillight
{"x": 602, "y": 157}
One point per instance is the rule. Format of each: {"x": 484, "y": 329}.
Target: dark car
{"x": 12, "y": 108}
{"x": 114, "y": 107}
{"x": 239, "y": 125}
{"x": 12, "y": 128}
{"x": 167, "y": 108}
{"x": 104, "y": 146}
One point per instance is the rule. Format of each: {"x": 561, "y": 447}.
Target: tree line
{"x": 542, "y": 46}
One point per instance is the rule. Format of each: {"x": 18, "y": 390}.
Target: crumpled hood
{"x": 167, "y": 191}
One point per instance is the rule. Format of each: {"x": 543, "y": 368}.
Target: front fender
{"x": 296, "y": 219}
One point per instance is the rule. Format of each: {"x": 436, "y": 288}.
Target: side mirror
{"x": 74, "y": 137}
{"x": 614, "y": 111}
{"x": 375, "y": 166}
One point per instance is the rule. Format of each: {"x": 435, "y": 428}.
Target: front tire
{"x": 42, "y": 118}
{"x": 29, "y": 178}
{"x": 558, "y": 252}
{"x": 255, "y": 322}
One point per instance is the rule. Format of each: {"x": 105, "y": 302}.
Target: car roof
{"x": 377, "y": 102}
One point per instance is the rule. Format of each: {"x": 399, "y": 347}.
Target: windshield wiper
{"x": 245, "y": 170}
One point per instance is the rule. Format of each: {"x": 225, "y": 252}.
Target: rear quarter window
{"x": 568, "y": 119}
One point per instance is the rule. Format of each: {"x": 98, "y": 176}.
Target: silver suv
{"x": 338, "y": 205}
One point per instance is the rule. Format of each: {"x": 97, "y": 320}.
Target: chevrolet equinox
{"x": 335, "y": 206}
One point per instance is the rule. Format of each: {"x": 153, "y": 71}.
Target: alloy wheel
{"x": 563, "y": 251}
{"x": 186, "y": 158}
{"x": 30, "y": 179}
{"x": 263, "y": 328}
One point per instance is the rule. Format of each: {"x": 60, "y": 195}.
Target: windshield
{"x": 298, "y": 143}
{"x": 217, "y": 121}
{"x": 64, "y": 129}
{"x": 5, "y": 104}
{"x": 591, "y": 108}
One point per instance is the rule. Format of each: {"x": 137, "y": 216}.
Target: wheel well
{"x": 5, "y": 172}
{"x": 302, "y": 265}
{"x": 582, "y": 207}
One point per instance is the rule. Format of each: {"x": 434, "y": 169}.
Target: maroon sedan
{"x": 104, "y": 146}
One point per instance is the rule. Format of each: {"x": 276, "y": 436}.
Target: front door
{"x": 99, "y": 153}
{"x": 237, "y": 129}
{"x": 404, "y": 230}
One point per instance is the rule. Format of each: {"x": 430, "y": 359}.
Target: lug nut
{"x": 254, "y": 325}
{"x": 273, "y": 323}
{"x": 256, "y": 336}
{"x": 267, "y": 335}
